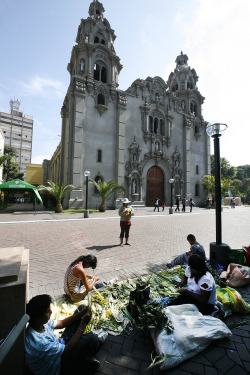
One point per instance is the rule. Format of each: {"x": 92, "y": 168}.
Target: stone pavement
{"x": 54, "y": 240}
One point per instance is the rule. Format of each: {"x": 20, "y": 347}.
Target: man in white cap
{"x": 125, "y": 212}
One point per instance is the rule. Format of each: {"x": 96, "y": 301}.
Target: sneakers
{"x": 92, "y": 363}
{"x": 169, "y": 265}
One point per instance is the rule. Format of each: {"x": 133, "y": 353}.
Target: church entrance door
{"x": 155, "y": 186}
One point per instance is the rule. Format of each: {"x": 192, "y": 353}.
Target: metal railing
{"x": 10, "y": 340}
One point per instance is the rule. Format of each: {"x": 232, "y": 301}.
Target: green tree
{"x": 10, "y": 166}
{"x": 227, "y": 171}
{"x": 58, "y": 192}
{"x": 105, "y": 189}
{"x": 208, "y": 183}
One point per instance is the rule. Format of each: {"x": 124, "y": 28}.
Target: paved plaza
{"x": 55, "y": 240}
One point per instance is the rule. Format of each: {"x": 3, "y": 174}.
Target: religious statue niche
{"x": 177, "y": 171}
{"x": 82, "y": 66}
{"x": 134, "y": 168}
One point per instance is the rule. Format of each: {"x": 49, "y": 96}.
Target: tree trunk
{"x": 102, "y": 207}
{"x": 59, "y": 208}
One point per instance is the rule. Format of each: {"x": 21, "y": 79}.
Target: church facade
{"x": 140, "y": 138}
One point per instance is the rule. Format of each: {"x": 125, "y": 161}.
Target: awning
{"x": 19, "y": 185}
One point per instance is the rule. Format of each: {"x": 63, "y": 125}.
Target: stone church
{"x": 141, "y": 137}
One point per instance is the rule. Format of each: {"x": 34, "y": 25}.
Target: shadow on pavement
{"x": 100, "y": 248}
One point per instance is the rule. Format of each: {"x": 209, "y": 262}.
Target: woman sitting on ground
{"x": 200, "y": 289}
{"x": 76, "y": 279}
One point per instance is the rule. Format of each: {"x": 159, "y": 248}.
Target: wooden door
{"x": 155, "y": 186}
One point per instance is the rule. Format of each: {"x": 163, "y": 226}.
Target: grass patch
{"x": 78, "y": 211}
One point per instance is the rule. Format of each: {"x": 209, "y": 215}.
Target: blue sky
{"x": 36, "y": 39}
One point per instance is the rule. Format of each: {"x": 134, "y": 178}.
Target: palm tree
{"x": 105, "y": 189}
{"x": 58, "y": 192}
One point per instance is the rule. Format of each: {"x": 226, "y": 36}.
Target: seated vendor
{"x": 44, "y": 354}
{"x": 76, "y": 279}
{"x": 200, "y": 287}
{"x": 195, "y": 248}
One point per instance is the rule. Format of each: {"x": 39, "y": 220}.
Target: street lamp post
{"x": 218, "y": 250}
{"x": 171, "y": 181}
{"x": 86, "y": 212}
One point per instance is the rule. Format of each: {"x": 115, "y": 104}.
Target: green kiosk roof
{"x": 19, "y": 185}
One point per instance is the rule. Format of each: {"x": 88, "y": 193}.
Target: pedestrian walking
{"x": 177, "y": 202}
{"x": 125, "y": 212}
{"x": 157, "y": 204}
{"x": 233, "y": 203}
{"x": 163, "y": 205}
{"x": 183, "y": 202}
{"x": 191, "y": 204}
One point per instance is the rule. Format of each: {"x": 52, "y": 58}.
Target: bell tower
{"x": 94, "y": 57}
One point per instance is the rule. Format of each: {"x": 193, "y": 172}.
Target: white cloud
{"x": 45, "y": 87}
{"x": 217, "y": 40}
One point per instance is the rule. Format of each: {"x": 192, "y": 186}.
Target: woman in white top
{"x": 200, "y": 289}
{"x": 76, "y": 279}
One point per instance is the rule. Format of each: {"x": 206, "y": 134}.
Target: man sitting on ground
{"x": 195, "y": 248}
{"x": 47, "y": 355}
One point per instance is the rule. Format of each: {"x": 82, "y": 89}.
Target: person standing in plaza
{"x": 156, "y": 204}
{"x": 191, "y": 204}
{"x": 125, "y": 212}
{"x": 177, "y": 202}
{"x": 163, "y": 205}
{"x": 183, "y": 202}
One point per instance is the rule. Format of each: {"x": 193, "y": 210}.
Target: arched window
{"x": 96, "y": 40}
{"x": 161, "y": 126}
{"x": 150, "y": 124}
{"x": 101, "y": 99}
{"x": 157, "y": 97}
{"x": 97, "y": 11}
{"x": 196, "y": 189}
{"x": 155, "y": 125}
{"x": 102, "y": 41}
{"x": 175, "y": 87}
{"x": 193, "y": 107}
{"x": 104, "y": 75}
{"x": 96, "y": 72}
{"x": 196, "y": 129}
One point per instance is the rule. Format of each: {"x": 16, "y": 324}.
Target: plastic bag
{"x": 232, "y": 299}
{"x": 192, "y": 333}
{"x": 236, "y": 256}
{"x": 247, "y": 254}
{"x": 236, "y": 275}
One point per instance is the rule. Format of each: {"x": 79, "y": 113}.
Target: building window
{"x": 102, "y": 41}
{"x": 196, "y": 189}
{"x": 193, "y": 108}
{"x": 104, "y": 75}
{"x": 197, "y": 169}
{"x": 96, "y": 39}
{"x": 99, "y": 156}
{"x": 156, "y": 125}
{"x": 101, "y": 99}
{"x": 157, "y": 97}
{"x": 100, "y": 73}
{"x": 175, "y": 87}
